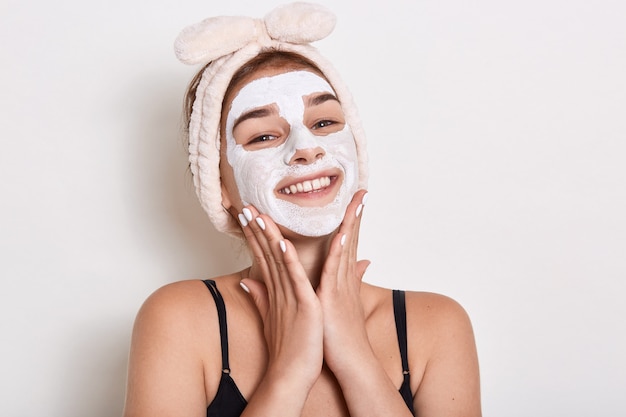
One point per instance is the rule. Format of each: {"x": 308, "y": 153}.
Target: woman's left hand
{"x": 339, "y": 295}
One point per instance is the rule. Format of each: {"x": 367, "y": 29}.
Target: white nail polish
{"x": 247, "y": 213}
{"x": 343, "y": 240}
{"x": 245, "y": 288}
{"x": 260, "y": 222}
{"x": 365, "y": 197}
{"x": 358, "y": 209}
{"x": 283, "y": 247}
{"x": 243, "y": 220}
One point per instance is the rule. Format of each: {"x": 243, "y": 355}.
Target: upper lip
{"x": 306, "y": 184}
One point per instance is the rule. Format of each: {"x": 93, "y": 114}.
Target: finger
{"x": 353, "y": 227}
{"x": 293, "y": 276}
{"x": 352, "y": 218}
{"x": 255, "y": 242}
{"x": 361, "y": 268}
{"x": 350, "y": 228}
{"x": 258, "y": 293}
{"x": 275, "y": 247}
{"x": 343, "y": 248}
{"x": 287, "y": 280}
{"x": 246, "y": 219}
{"x": 330, "y": 270}
{"x": 295, "y": 271}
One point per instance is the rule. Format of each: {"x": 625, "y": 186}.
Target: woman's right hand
{"x": 290, "y": 309}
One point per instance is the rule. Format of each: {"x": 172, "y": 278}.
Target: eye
{"x": 263, "y": 138}
{"x": 322, "y": 124}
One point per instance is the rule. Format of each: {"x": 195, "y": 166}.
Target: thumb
{"x": 361, "y": 267}
{"x": 258, "y": 292}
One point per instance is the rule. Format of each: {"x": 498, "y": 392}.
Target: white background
{"x": 497, "y": 136}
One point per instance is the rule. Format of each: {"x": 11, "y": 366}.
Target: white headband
{"x": 228, "y": 42}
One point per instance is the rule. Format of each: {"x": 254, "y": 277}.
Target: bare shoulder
{"x": 435, "y": 308}
{"x": 426, "y": 310}
{"x": 182, "y": 309}
{"x": 173, "y": 322}
{"x": 440, "y": 334}
{"x": 175, "y": 295}
{"x": 438, "y": 319}
{"x": 173, "y": 306}
{"x": 174, "y": 343}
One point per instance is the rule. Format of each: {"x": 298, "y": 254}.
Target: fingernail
{"x": 260, "y": 222}
{"x": 283, "y": 247}
{"x": 245, "y": 288}
{"x": 364, "y": 200}
{"x": 247, "y": 213}
{"x": 358, "y": 209}
{"x": 243, "y": 220}
{"x": 343, "y": 240}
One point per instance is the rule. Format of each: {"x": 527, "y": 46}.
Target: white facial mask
{"x": 258, "y": 172}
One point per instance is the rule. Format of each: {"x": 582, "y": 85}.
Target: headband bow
{"x": 297, "y": 23}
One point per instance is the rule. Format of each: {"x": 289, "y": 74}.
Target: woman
{"x": 278, "y": 157}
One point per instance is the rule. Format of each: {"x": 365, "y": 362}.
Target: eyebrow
{"x": 252, "y": 114}
{"x": 319, "y": 99}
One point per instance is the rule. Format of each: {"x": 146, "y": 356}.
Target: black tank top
{"x": 229, "y": 402}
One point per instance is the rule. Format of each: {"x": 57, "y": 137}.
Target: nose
{"x": 305, "y": 148}
{"x": 306, "y": 156}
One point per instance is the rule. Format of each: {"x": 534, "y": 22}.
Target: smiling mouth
{"x": 308, "y": 186}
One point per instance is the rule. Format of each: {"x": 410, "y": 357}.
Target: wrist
{"x": 351, "y": 364}
{"x": 278, "y": 394}
{"x": 291, "y": 379}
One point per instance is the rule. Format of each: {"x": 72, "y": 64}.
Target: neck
{"x": 312, "y": 253}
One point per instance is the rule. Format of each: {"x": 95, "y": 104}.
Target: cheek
{"x": 343, "y": 147}
{"x": 256, "y": 171}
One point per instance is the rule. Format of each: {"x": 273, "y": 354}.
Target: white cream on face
{"x": 258, "y": 172}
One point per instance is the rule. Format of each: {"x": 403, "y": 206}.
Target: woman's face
{"x": 287, "y": 150}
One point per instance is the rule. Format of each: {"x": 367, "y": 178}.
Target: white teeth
{"x": 307, "y": 186}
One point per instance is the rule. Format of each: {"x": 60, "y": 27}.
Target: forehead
{"x": 282, "y": 89}
{"x": 241, "y": 80}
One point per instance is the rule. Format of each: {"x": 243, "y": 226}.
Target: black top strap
{"x": 221, "y": 315}
{"x": 399, "y": 311}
